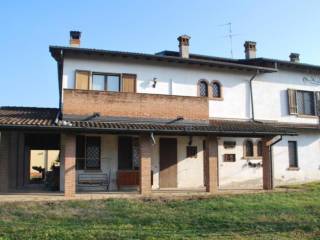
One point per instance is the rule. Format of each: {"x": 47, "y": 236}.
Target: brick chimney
{"x": 75, "y": 38}
{"x": 184, "y": 46}
{"x": 294, "y": 57}
{"x": 250, "y": 49}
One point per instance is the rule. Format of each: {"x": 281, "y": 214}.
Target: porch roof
{"x": 47, "y": 119}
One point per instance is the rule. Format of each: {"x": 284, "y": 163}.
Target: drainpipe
{"x": 251, "y": 94}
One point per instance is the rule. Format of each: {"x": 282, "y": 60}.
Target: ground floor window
{"x": 248, "y": 148}
{"x": 128, "y": 153}
{"x": 293, "y": 154}
{"x": 259, "y": 148}
{"x": 88, "y": 152}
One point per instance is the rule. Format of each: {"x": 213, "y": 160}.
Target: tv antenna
{"x": 230, "y": 35}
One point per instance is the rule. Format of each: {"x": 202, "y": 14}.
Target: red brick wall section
{"x": 145, "y": 164}
{"x": 212, "y": 164}
{"x": 83, "y": 102}
{"x": 266, "y": 163}
{"x": 69, "y": 142}
{"x": 4, "y": 161}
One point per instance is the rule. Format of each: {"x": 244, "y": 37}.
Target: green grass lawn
{"x": 285, "y": 215}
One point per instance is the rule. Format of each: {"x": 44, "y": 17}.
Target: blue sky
{"x": 29, "y": 74}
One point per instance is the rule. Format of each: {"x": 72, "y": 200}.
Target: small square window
{"x": 192, "y": 151}
{"x": 229, "y": 157}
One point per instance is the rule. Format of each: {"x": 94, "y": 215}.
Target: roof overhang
{"x": 58, "y": 52}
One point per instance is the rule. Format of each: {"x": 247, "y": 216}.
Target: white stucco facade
{"x": 270, "y": 104}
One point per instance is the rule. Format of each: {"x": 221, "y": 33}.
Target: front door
{"x": 168, "y": 163}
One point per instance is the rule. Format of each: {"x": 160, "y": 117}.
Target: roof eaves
{"x": 210, "y": 63}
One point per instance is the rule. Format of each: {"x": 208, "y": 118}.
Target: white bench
{"x": 94, "y": 180}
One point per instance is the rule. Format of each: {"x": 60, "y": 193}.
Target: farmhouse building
{"x": 172, "y": 120}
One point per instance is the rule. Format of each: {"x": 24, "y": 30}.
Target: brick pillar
{"x": 212, "y": 164}
{"x": 267, "y": 164}
{"x": 145, "y": 164}
{"x": 69, "y": 165}
{"x": 4, "y": 162}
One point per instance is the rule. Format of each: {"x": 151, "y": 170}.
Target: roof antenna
{"x": 230, "y": 35}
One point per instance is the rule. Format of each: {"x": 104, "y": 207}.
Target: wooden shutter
{"x": 292, "y": 101}
{"x": 82, "y": 80}
{"x": 129, "y": 82}
{"x": 317, "y": 99}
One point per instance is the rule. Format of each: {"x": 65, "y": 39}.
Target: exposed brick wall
{"x": 145, "y": 164}
{"x": 266, "y": 163}
{"x": 4, "y": 161}
{"x": 83, "y": 102}
{"x": 69, "y": 148}
{"x": 212, "y": 164}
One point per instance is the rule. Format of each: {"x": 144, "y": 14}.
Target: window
{"x": 88, "y": 151}
{"x": 203, "y": 88}
{"x": 98, "y": 82}
{"x": 305, "y": 103}
{"x": 113, "y": 83}
{"x": 106, "y": 82}
{"x": 192, "y": 152}
{"x": 128, "y": 153}
{"x": 229, "y": 157}
{"x": 248, "y": 148}
{"x": 293, "y": 154}
{"x": 216, "y": 89}
{"x": 259, "y": 148}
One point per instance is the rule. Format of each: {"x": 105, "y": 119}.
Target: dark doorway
{"x": 168, "y": 163}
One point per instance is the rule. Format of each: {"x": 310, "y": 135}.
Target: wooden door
{"x": 168, "y": 163}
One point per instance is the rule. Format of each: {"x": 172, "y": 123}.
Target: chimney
{"x": 75, "y": 38}
{"x": 250, "y": 49}
{"x": 184, "y": 46}
{"x": 294, "y": 57}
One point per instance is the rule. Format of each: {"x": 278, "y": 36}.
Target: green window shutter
{"x": 292, "y": 101}
{"x": 317, "y": 99}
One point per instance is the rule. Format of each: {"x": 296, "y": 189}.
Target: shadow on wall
{"x": 284, "y": 111}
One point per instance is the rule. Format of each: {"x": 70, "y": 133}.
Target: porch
{"x": 131, "y": 164}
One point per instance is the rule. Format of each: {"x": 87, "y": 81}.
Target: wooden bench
{"x": 94, "y": 180}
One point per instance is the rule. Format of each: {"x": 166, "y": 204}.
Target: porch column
{"x": 212, "y": 164}
{"x": 145, "y": 164}
{"x": 69, "y": 165}
{"x": 267, "y": 164}
{"x": 4, "y": 161}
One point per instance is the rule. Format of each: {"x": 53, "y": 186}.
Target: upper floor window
{"x": 203, "y": 88}
{"x": 248, "y": 148}
{"x": 216, "y": 89}
{"x": 122, "y": 82}
{"x": 108, "y": 82}
{"x": 303, "y": 102}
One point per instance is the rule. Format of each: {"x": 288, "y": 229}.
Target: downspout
{"x": 251, "y": 94}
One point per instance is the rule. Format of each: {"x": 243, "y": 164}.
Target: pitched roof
{"x": 45, "y": 118}
{"x": 27, "y": 116}
{"x": 262, "y": 62}
{"x": 58, "y": 51}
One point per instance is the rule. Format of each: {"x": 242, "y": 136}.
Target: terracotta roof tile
{"x": 45, "y": 117}
{"x": 29, "y": 116}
